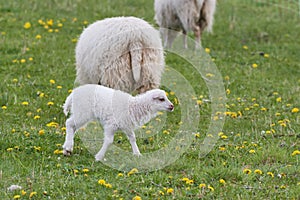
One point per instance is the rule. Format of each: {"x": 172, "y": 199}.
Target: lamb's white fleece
{"x": 115, "y": 110}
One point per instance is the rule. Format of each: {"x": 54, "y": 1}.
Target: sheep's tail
{"x": 68, "y": 104}
{"x": 207, "y": 13}
{"x": 136, "y": 53}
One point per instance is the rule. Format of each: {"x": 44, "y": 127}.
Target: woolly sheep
{"x": 123, "y": 53}
{"x": 185, "y": 15}
{"x": 115, "y": 110}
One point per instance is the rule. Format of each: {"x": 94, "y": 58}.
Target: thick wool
{"x": 114, "y": 109}
{"x": 123, "y": 53}
{"x": 185, "y": 15}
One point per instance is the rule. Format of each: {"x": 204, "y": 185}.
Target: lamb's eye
{"x": 161, "y": 99}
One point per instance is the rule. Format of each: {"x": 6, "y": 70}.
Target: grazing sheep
{"x": 115, "y": 110}
{"x": 185, "y": 15}
{"x": 123, "y": 53}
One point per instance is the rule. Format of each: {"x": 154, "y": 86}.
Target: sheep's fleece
{"x": 123, "y": 53}
{"x": 114, "y": 109}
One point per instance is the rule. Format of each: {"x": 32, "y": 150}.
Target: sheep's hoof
{"x": 99, "y": 158}
{"x": 67, "y": 152}
{"x": 137, "y": 154}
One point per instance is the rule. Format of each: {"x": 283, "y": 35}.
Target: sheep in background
{"x": 185, "y": 15}
{"x": 116, "y": 110}
{"x": 123, "y": 53}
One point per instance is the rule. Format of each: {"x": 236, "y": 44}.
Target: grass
{"x": 256, "y": 48}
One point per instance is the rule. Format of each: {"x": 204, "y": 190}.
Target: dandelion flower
{"x": 32, "y": 194}
{"x": 258, "y": 171}
{"x": 137, "y": 198}
{"x": 170, "y": 191}
{"x": 25, "y": 103}
{"x": 108, "y": 185}
{"x": 23, "y": 60}
{"x": 85, "y": 170}
{"x": 101, "y": 182}
{"x": 36, "y": 117}
{"x": 202, "y": 185}
{"x": 270, "y": 174}
{"x": 59, "y": 87}
{"x": 38, "y": 37}
{"x": 245, "y": 47}
{"x": 50, "y": 103}
{"x": 17, "y": 196}
{"x": 133, "y": 171}
{"x": 252, "y": 151}
{"x": 222, "y": 181}
{"x": 296, "y": 152}
{"x": 23, "y": 192}
{"x": 295, "y": 110}
{"x": 278, "y": 99}
{"x": 41, "y": 132}
{"x": 254, "y": 65}
{"x": 207, "y": 50}
{"x": 120, "y": 174}
{"x": 50, "y": 22}
{"x": 211, "y": 188}
{"x": 4, "y": 107}
{"x": 247, "y": 171}
{"x": 27, "y": 25}
{"x": 52, "y": 81}
{"x": 59, "y": 25}
{"x": 266, "y": 55}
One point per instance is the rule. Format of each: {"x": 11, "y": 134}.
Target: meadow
{"x": 256, "y": 48}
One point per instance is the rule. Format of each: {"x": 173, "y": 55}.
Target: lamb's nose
{"x": 171, "y": 107}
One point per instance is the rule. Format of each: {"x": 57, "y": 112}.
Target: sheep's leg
{"x": 171, "y": 37}
{"x": 185, "y": 39}
{"x": 69, "y": 141}
{"x": 197, "y": 33}
{"x": 132, "y": 140}
{"x": 108, "y": 140}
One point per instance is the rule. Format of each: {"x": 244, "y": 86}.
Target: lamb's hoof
{"x": 99, "y": 158}
{"x": 67, "y": 152}
{"x": 137, "y": 154}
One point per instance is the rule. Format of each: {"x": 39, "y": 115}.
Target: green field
{"x": 256, "y": 47}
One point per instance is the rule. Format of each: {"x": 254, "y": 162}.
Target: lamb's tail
{"x": 68, "y": 104}
{"x": 207, "y": 13}
{"x": 136, "y": 54}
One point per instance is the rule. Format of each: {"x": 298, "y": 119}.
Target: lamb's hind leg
{"x": 197, "y": 33}
{"x": 69, "y": 141}
{"x": 108, "y": 140}
{"x": 132, "y": 140}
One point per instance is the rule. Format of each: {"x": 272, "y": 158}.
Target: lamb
{"x": 185, "y": 15}
{"x": 115, "y": 110}
{"x": 123, "y": 53}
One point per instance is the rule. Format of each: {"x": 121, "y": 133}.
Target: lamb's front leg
{"x": 132, "y": 140}
{"x": 108, "y": 140}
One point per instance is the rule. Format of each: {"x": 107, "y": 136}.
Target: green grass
{"x": 259, "y": 106}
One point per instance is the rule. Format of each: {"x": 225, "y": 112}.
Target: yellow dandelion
{"x": 202, "y": 185}
{"x": 57, "y": 152}
{"x": 258, "y": 171}
{"x": 85, "y": 170}
{"x": 59, "y": 87}
{"x": 228, "y": 91}
{"x": 36, "y": 117}
{"x": 295, "y": 110}
{"x": 50, "y": 22}
{"x": 101, "y": 182}
{"x": 59, "y": 25}
{"x": 222, "y": 148}
{"x": 17, "y": 196}
{"x": 211, "y": 188}
{"x": 120, "y": 174}
{"x": 278, "y": 99}
{"x": 50, "y": 103}
{"x": 70, "y": 91}
{"x": 137, "y": 198}
{"x": 23, "y": 192}
{"x": 296, "y": 152}
{"x": 27, "y": 25}
{"x": 207, "y": 50}
{"x": 254, "y": 65}
{"x": 247, "y": 171}
{"x": 4, "y": 107}
{"x": 197, "y": 135}
{"x": 133, "y": 171}
{"x": 85, "y": 22}
{"x": 74, "y": 40}
{"x": 270, "y": 174}
{"x": 199, "y": 102}
{"x": 41, "y": 132}
{"x": 283, "y": 187}
{"x": 108, "y": 185}
{"x": 170, "y": 191}
{"x": 245, "y": 47}
{"x": 52, "y": 81}
{"x": 9, "y": 149}
{"x": 210, "y": 75}
{"x": 222, "y": 181}
{"x": 166, "y": 132}
{"x": 25, "y": 103}
{"x": 266, "y": 55}
{"x": 41, "y": 22}
{"x": 32, "y": 194}
{"x": 148, "y": 132}
{"x": 252, "y": 151}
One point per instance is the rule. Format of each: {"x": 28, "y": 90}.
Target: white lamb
{"x": 185, "y": 15}
{"x": 114, "y": 109}
{"x": 123, "y": 53}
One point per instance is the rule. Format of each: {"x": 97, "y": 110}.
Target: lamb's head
{"x": 159, "y": 100}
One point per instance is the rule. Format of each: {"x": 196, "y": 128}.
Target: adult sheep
{"x": 123, "y": 53}
{"x": 185, "y": 15}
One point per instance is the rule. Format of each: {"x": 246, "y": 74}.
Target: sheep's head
{"x": 160, "y": 101}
